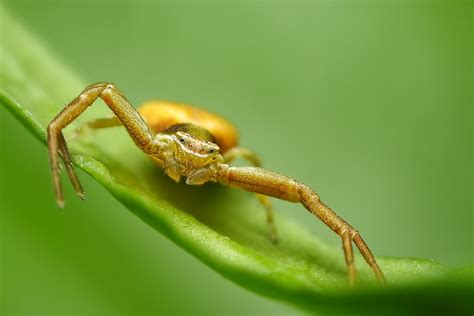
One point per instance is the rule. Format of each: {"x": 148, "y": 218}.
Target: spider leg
{"x": 95, "y": 124}
{"x": 269, "y": 183}
{"x": 245, "y": 153}
{"x": 66, "y": 156}
{"x": 264, "y": 200}
{"x": 349, "y": 255}
{"x": 126, "y": 114}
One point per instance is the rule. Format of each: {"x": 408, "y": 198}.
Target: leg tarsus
{"x": 368, "y": 256}
{"x": 349, "y": 256}
{"x": 264, "y": 200}
{"x": 64, "y": 153}
{"x": 54, "y": 164}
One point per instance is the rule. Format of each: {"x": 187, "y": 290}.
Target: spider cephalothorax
{"x": 187, "y": 149}
{"x": 193, "y": 143}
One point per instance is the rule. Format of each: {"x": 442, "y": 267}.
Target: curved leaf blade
{"x": 220, "y": 226}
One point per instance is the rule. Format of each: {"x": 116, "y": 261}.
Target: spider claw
{"x": 81, "y": 195}
{"x": 60, "y": 203}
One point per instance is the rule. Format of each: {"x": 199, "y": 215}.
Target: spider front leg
{"x": 115, "y": 100}
{"x": 265, "y": 182}
{"x": 264, "y": 200}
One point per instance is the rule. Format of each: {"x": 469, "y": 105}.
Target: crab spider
{"x": 198, "y": 145}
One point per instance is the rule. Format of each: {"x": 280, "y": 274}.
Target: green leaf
{"x": 222, "y": 227}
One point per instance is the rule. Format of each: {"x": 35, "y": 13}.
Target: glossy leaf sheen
{"x": 222, "y": 227}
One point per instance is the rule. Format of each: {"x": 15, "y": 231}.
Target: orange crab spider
{"x": 198, "y": 145}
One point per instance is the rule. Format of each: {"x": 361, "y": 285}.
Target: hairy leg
{"x": 126, "y": 114}
{"x": 251, "y": 157}
{"x": 265, "y": 182}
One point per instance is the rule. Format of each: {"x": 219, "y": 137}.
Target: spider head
{"x": 196, "y": 148}
{"x": 187, "y": 147}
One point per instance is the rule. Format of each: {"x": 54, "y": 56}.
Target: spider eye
{"x": 211, "y": 151}
{"x": 181, "y": 140}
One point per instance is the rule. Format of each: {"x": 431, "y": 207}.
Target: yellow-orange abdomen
{"x": 160, "y": 115}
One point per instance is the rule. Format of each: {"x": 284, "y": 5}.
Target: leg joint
{"x": 345, "y": 228}
{"x": 354, "y": 233}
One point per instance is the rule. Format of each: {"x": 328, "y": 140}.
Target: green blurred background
{"x": 369, "y": 102}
